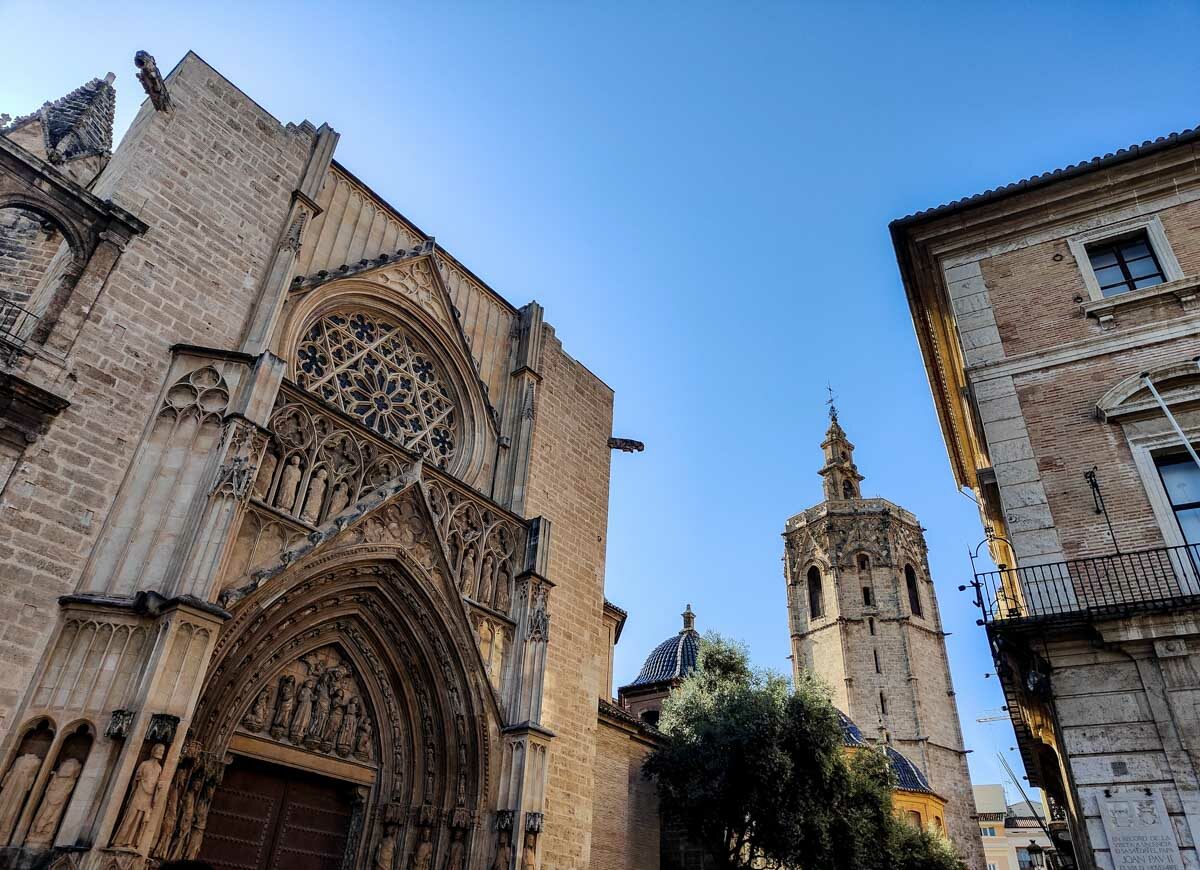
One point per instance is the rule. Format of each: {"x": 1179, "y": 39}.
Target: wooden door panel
{"x": 266, "y": 817}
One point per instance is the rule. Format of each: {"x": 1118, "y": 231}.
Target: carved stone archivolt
{"x": 316, "y": 702}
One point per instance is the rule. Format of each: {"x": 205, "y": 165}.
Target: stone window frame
{"x": 1156, "y": 233}
{"x": 1146, "y": 449}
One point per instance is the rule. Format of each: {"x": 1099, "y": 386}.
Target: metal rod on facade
{"x": 1025, "y": 797}
{"x": 1171, "y": 417}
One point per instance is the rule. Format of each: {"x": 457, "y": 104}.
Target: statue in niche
{"x": 385, "y": 852}
{"x": 316, "y": 494}
{"x": 362, "y": 741}
{"x": 529, "y": 853}
{"x": 345, "y": 736}
{"x": 54, "y": 803}
{"x": 304, "y": 710}
{"x": 256, "y": 717}
{"x": 486, "y": 578}
{"x": 503, "y": 588}
{"x": 423, "y": 854}
{"x": 142, "y": 798}
{"x": 13, "y": 789}
{"x": 266, "y": 471}
{"x": 503, "y": 852}
{"x": 289, "y": 483}
{"x": 466, "y": 579}
{"x": 339, "y": 500}
{"x": 196, "y": 836}
{"x": 283, "y": 707}
{"x": 457, "y": 859}
{"x": 187, "y": 815}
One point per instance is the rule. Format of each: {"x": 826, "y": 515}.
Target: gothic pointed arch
{"x": 361, "y": 634}
{"x": 385, "y": 347}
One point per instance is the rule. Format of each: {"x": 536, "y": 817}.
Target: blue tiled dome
{"x": 675, "y": 657}
{"x": 908, "y": 776}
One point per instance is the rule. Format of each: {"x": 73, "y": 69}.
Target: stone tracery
{"x": 373, "y": 369}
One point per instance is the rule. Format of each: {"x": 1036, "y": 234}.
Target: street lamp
{"x": 1037, "y": 857}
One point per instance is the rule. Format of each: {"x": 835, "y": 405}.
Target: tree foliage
{"x": 757, "y": 775}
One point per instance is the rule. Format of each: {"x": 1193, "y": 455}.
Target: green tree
{"x": 757, "y": 775}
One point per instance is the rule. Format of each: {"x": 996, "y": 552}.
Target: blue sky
{"x": 699, "y": 195}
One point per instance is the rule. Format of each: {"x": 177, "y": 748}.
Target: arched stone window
{"x": 816, "y": 600}
{"x": 864, "y": 562}
{"x": 847, "y": 490}
{"x": 381, "y": 373}
{"x": 914, "y": 592}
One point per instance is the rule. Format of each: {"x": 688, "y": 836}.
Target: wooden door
{"x": 268, "y": 817}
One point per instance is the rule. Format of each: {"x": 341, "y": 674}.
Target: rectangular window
{"x": 868, "y": 597}
{"x": 1181, "y": 480}
{"x": 871, "y": 625}
{"x": 1125, "y": 263}
{"x": 989, "y": 832}
{"x": 875, "y": 653}
{"x": 991, "y": 866}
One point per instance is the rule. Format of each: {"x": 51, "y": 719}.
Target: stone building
{"x": 863, "y": 614}
{"x": 1013, "y": 834}
{"x": 1059, "y": 324}
{"x": 303, "y": 537}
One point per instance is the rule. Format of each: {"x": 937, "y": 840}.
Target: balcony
{"x": 1109, "y": 585}
{"x": 16, "y": 324}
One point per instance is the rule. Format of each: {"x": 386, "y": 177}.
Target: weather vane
{"x": 829, "y": 402}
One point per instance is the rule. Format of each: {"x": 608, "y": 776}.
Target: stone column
{"x": 514, "y": 461}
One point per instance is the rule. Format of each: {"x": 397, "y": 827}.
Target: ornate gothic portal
{"x": 347, "y": 689}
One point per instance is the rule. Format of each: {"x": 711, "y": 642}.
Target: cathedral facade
{"x": 863, "y": 614}
{"x": 303, "y": 542}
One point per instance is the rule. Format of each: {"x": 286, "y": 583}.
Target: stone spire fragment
{"x": 840, "y": 473}
{"x": 74, "y": 132}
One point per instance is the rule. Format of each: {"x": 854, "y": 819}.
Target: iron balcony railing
{"x": 16, "y": 325}
{"x": 1168, "y": 576}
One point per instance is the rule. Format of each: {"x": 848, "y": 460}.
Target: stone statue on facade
{"x": 54, "y": 804}
{"x": 466, "y": 579}
{"x": 339, "y": 500}
{"x": 362, "y": 741}
{"x": 503, "y": 860}
{"x": 142, "y": 797}
{"x": 345, "y": 736}
{"x": 283, "y": 707}
{"x": 13, "y": 790}
{"x": 457, "y": 859}
{"x": 423, "y": 854}
{"x": 316, "y": 494}
{"x": 486, "y": 578}
{"x": 256, "y": 717}
{"x": 529, "y": 853}
{"x": 303, "y": 715}
{"x": 385, "y": 852}
{"x": 289, "y": 483}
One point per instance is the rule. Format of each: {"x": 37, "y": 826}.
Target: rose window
{"x": 374, "y": 370}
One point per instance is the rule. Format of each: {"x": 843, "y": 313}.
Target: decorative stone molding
{"x": 162, "y": 728}
{"x": 119, "y": 723}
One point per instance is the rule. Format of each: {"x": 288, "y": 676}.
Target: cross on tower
{"x": 832, "y": 406}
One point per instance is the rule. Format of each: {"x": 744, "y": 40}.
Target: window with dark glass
{"x": 1124, "y": 264}
{"x": 914, "y": 593}
{"x": 816, "y": 604}
{"x": 878, "y": 669}
{"x": 1181, "y": 479}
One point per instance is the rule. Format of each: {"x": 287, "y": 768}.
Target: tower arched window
{"x": 374, "y": 369}
{"x": 914, "y": 592}
{"x": 816, "y": 600}
{"x": 847, "y": 489}
{"x": 864, "y": 562}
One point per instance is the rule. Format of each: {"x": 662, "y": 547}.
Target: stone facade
{"x": 1041, "y": 378}
{"x": 291, "y": 500}
{"x": 863, "y": 614}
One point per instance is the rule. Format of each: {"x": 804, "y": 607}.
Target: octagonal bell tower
{"x": 863, "y": 614}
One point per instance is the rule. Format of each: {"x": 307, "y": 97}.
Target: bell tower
{"x": 863, "y": 614}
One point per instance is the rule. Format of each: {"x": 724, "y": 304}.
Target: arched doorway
{"x": 346, "y": 716}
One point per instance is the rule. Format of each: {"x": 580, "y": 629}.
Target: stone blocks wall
{"x": 568, "y": 483}
{"x": 213, "y": 179}
{"x": 26, "y": 249}
{"x": 625, "y": 835}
